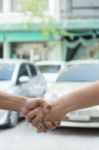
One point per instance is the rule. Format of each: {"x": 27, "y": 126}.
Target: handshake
{"x": 45, "y": 115}
{"x": 42, "y": 114}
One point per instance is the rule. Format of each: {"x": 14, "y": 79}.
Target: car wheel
{"x": 13, "y": 119}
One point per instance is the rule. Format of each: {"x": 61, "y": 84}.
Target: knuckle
{"x": 33, "y": 123}
{"x": 28, "y": 119}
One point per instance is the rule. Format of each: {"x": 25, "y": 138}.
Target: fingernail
{"x": 39, "y": 131}
{"x": 39, "y": 127}
{"x": 45, "y": 122}
{"x": 46, "y": 111}
{"x": 57, "y": 123}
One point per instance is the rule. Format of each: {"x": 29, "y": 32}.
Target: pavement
{"x": 24, "y": 137}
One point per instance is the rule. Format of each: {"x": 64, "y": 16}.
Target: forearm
{"x": 11, "y": 102}
{"x": 82, "y": 98}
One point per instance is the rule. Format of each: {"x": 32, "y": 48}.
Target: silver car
{"x": 51, "y": 70}
{"x": 21, "y": 78}
{"x": 78, "y": 75}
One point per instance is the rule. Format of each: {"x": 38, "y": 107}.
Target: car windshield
{"x": 80, "y": 73}
{"x": 6, "y": 71}
{"x": 49, "y": 68}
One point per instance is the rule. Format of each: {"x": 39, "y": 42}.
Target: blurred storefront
{"x": 22, "y": 42}
{"x": 78, "y": 19}
{"x": 82, "y": 43}
{"x": 19, "y": 41}
{"x": 81, "y": 19}
{"x": 1, "y": 50}
{"x": 33, "y": 51}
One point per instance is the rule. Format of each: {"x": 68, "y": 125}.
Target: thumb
{"x": 24, "y": 111}
{"x": 34, "y": 103}
{"x": 47, "y": 107}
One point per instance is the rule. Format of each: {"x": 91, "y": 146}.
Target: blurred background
{"x": 53, "y": 47}
{"x": 49, "y": 30}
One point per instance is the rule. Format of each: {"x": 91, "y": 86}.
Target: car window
{"x": 80, "y": 73}
{"x": 49, "y": 68}
{"x": 33, "y": 70}
{"x": 23, "y": 71}
{"x": 6, "y": 71}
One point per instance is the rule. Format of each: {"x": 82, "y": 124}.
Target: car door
{"x": 23, "y": 86}
{"x": 38, "y": 83}
{"x": 32, "y": 84}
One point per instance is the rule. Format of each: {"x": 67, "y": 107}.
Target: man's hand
{"x": 32, "y": 104}
{"x": 48, "y": 121}
{"x": 37, "y": 120}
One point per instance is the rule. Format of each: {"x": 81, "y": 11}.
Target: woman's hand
{"x": 45, "y": 122}
{"x": 35, "y": 110}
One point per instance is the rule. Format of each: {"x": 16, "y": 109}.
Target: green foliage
{"x": 34, "y": 7}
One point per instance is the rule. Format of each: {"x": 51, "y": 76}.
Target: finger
{"x": 31, "y": 115}
{"x": 39, "y": 102}
{"x": 37, "y": 113}
{"x": 47, "y": 108}
{"x": 35, "y": 121}
{"x": 40, "y": 130}
{"x": 32, "y": 104}
{"x": 56, "y": 124}
{"x": 48, "y": 125}
{"x": 41, "y": 127}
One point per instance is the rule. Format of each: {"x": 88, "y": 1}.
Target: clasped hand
{"x": 43, "y": 115}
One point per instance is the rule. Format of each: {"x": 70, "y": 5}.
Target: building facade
{"x": 17, "y": 39}
{"x": 78, "y": 19}
{"x": 81, "y": 19}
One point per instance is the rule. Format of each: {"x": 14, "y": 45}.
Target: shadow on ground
{"x": 76, "y": 131}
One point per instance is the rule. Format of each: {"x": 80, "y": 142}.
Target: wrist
{"x": 60, "y": 107}
{"x": 65, "y": 103}
{"x": 11, "y": 102}
{"x": 22, "y": 104}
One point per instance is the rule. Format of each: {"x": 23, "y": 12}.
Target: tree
{"x": 35, "y": 11}
{"x": 33, "y": 8}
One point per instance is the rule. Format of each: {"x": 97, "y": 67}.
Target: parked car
{"x": 78, "y": 75}
{"x": 51, "y": 70}
{"x": 21, "y": 78}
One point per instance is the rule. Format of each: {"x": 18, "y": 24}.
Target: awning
{"x": 68, "y": 24}
{"x": 82, "y": 41}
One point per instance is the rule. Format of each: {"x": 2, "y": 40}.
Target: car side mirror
{"x": 23, "y": 79}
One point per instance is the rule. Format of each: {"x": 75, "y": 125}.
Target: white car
{"x": 21, "y": 78}
{"x": 79, "y": 74}
{"x": 51, "y": 69}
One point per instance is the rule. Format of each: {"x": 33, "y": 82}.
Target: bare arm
{"x": 18, "y": 103}
{"x": 82, "y": 98}
{"x": 79, "y": 99}
{"x": 11, "y": 102}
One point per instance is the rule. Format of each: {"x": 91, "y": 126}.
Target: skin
{"x": 18, "y": 104}
{"x": 11, "y": 102}
{"x": 82, "y": 98}
{"x": 37, "y": 114}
